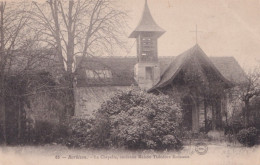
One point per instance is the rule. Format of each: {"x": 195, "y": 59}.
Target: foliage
{"x": 255, "y": 112}
{"x": 13, "y": 20}
{"x": 234, "y": 125}
{"x": 236, "y": 122}
{"x": 137, "y": 120}
{"x": 20, "y": 89}
{"x": 80, "y": 133}
{"x": 86, "y": 133}
{"x": 46, "y": 132}
{"x": 247, "y": 91}
{"x": 248, "y": 136}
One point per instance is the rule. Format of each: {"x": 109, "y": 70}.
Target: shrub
{"x": 248, "y": 136}
{"x": 80, "y": 133}
{"x": 169, "y": 142}
{"x": 46, "y": 132}
{"x": 1, "y": 135}
{"x": 255, "y": 112}
{"x": 43, "y": 132}
{"x": 137, "y": 120}
{"x": 234, "y": 125}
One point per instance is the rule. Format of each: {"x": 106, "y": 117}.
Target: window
{"x": 147, "y": 44}
{"x": 149, "y": 73}
{"x": 90, "y": 74}
{"x": 97, "y": 74}
{"x": 148, "y": 56}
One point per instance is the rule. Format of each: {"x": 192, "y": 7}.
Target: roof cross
{"x": 196, "y": 31}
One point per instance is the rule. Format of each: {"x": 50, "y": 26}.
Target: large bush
{"x": 137, "y": 120}
{"x": 80, "y": 133}
{"x": 44, "y": 132}
{"x": 86, "y": 132}
{"x": 248, "y": 136}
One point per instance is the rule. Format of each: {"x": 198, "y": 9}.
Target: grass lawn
{"x": 216, "y": 153}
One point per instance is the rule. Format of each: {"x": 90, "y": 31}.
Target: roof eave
{"x": 135, "y": 33}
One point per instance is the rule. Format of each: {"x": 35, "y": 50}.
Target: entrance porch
{"x": 202, "y": 114}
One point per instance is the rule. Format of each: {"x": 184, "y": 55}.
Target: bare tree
{"x": 79, "y": 27}
{"x": 13, "y": 19}
{"x": 248, "y": 90}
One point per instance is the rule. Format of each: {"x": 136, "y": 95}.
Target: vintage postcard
{"x": 129, "y": 82}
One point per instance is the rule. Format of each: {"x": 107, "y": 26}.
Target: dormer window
{"x": 98, "y": 74}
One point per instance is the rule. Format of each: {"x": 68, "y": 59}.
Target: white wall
{"x": 89, "y": 99}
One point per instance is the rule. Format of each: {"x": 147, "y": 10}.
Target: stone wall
{"x": 89, "y": 99}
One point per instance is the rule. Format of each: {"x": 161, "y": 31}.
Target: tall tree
{"x": 13, "y": 19}
{"x": 79, "y": 27}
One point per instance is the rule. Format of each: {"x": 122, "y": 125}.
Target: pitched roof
{"x": 180, "y": 61}
{"x": 147, "y": 24}
{"x": 122, "y": 69}
{"x": 230, "y": 69}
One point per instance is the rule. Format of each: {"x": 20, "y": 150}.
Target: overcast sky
{"x": 229, "y": 27}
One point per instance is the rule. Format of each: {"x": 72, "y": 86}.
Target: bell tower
{"x": 147, "y": 69}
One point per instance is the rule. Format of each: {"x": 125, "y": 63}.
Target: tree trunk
{"x": 2, "y": 74}
{"x": 214, "y": 116}
{"x": 19, "y": 119}
{"x": 205, "y": 113}
{"x": 3, "y": 109}
{"x": 69, "y": 100}
{"x": 247, "y": 113}
{"x": 70, "y": 109}
{"x": 218, "y": 114}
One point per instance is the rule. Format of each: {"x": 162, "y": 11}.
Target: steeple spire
{"x": 147, "y": 69}
{"x": 147, "y": 24}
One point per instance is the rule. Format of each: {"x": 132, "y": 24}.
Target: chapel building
{"x": 199, "y": 82}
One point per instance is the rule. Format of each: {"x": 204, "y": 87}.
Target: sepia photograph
{"x": 129, "y": 82}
